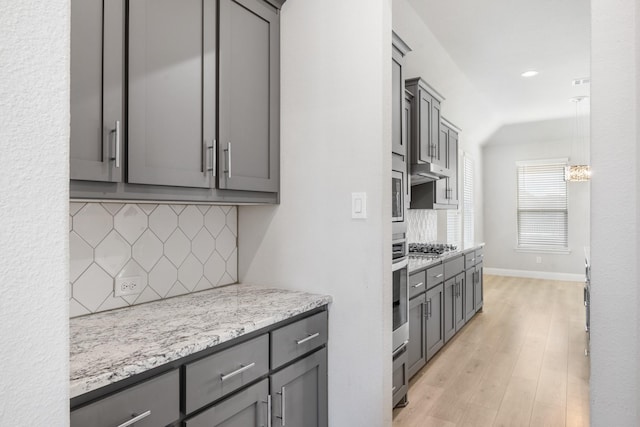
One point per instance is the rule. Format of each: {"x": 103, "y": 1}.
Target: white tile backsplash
{"x": 422, "y": 226}
{"x": 175, "y": 249}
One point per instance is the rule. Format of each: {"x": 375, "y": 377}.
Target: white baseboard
{"x": 565, "y": 277}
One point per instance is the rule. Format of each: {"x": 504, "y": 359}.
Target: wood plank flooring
{"x": 519, "y": 362}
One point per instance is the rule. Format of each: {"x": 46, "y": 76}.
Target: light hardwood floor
{"x": 519, "y": 362}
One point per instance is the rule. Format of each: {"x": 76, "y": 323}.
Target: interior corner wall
{"x": 34, "y": 158}
{"x": 500, "y": 202}
{"x": 615, "y": 236}
{"x": 335, "y": 140}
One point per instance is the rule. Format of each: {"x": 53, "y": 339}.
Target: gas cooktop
{"x": 429, "y": 250}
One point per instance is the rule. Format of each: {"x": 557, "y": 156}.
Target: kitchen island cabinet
{"x": 147, "y": 119}
{"x": 211, "y": 351}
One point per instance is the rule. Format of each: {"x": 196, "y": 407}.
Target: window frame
{"x": 541, "y": 249}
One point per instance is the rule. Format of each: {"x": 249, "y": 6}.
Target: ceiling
{"x": 494, "y": 41}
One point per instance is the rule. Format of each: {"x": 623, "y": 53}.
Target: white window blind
{"x": 542, "y": 205}
{"x": 453, "y": 227}
{"x": 467, "y": 201}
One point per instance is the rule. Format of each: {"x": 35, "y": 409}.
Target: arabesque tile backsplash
{"x": 176, "y": 249}
{"x": 422, "y": 226}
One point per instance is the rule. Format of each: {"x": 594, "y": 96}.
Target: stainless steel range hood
{"x": 426, "y": 172}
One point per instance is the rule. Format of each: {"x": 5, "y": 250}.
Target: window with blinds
{"x": 467, "y": 201}
{"x": 542, "y": 205}
{"x": 453, "y": 227}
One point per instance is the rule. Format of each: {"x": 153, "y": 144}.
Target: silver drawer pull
{"x": 135, "y": 419}
{"x": 116, "y": 131}
{"x": 309, "y": 338}
{"x": 237, "y": 371}
{"x": 393, "y": 389}
{"x": 282, "y": 394}
{"x": 439, "y": 275}
{"x": 418, "y": 285}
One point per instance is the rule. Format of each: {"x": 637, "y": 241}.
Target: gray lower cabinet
{"x": 416, "y": 348}
{"x": 434, "y": 325}
{"x": 478, "y": 288}
{"x": 400, "y": 377}
{"x": 299, "y": 393}
{"x": 458, "y": 306}
{"x": 247, "y": 408}
{"x": 449, "y": 312}
{"x": 153, "y": 403}
{"x": 469, "y": 289}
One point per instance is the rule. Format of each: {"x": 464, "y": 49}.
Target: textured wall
{"x": 615, "y": 351}
{"x": 175, "y": 249}
{"x": 336, "y": 139}
{"x": 34, "y": 157}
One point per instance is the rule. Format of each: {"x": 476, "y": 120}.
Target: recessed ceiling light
{"x": 529, "y": 73}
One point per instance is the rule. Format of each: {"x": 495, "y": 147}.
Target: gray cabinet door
{"x": 97, "y": 86}
{"x": 397, "y": 96}
{"x": 459, "y": 301}
{"x": 425, "y": 147}
{"x": 452, "y": 165}
{"x": 469, "y": 301}
{"x": 438, "y": 154}
{"x": 449, "y": 311}
{"x": 247, "y": 408}
{"x": 399, "y": 378}
{"x": 167, "y": 143}
{"x": 478, "y": 288}
{"x": 249, "y": 102}
{"x": 299, "y": 393}
{"x": 416, "y": 348}
{"x": 435, "y": 330}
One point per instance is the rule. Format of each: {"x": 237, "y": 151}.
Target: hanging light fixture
{"x": 580, "y": 170}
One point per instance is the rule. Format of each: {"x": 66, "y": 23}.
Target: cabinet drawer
{"x": 214, "y": 376}
{"x": 417, "y": 284}
{"x": 453, "y": 267}
{"x": 435, "y": 275}
{"x": 158, "y": 397}
{"x": 479, "y": 255}
{"x": 244, "y": 408}
{"x": 469, "y": 259}
{"x": 294, "y": 340}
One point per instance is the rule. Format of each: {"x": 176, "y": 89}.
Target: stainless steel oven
{"x": 400, "y": 268}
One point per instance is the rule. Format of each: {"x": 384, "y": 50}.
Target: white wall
{"x": 500, "y": 155}
{"x": 335, "y": 124}
{"x": 615, "y": 349}
{"x": 464, "y": 106}
{"x": 34, "y": 132}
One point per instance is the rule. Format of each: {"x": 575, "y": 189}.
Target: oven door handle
{"x": 402, "y": 263}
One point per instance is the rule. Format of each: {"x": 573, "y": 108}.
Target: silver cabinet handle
{"x": 206, "y": 149}
{"x": 135, "y": 419}
{"x": 309, "y": 338}
{"x": 393, "y": 389}
{"x": 228, "y": 150}
{"x": 116, "y": 131}
{"x": 237, "y": 371}
{"x": 204, "y": 157}
{"x": 214, "y": 158}
{"x": 268, "y": 402}
{"x": 429, "y": 307}
{"x": 439, "y": 275}
{"x": 418, "y": 285}
{"x": 282, "y": 405}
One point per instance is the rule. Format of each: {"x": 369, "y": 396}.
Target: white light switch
{"x": 358, "y": 205}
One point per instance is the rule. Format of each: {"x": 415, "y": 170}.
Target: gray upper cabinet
{"x": 97, "y": 76}
{"x": 249, "y": 96}
{"x": 171, "y": 88}
{"x": 425, "y": 139}
{"x": 399, "y": 138}
{"x": 175, "y": 100}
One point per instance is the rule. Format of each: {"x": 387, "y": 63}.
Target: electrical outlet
{"x": 538, "y": 260}
{"x": 127, "y": 285}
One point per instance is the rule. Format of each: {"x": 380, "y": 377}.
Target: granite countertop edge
{"x": 172, "y": 333}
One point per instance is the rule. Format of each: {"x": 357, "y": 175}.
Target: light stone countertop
{"x": 110, "y": 346}
{"x": 416, "y": 263}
